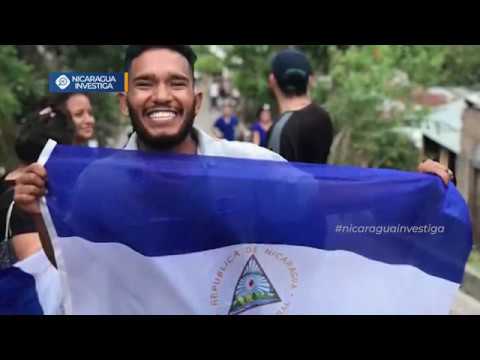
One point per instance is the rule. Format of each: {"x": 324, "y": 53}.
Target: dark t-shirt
{"x": 307, "y": 136}
{"x": 261, "y": 132}
{"x": 20, "y": 222}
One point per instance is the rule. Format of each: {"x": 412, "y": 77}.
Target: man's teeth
{"x": 162, "y": 115}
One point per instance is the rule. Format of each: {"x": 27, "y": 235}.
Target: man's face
{"x": 161, "y": 100}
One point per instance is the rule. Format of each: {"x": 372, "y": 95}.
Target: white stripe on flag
{"x": 113, "y": 279}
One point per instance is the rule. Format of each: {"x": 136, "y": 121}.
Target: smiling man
{"x": 162, "y": 103}
{"x": 161, "y": 100}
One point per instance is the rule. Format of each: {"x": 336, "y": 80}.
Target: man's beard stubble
{"x": 163, "y": 143}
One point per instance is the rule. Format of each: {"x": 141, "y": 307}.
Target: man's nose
{"x": 161, "y": 93}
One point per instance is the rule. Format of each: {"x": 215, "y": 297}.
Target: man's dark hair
{"x": 292, "y": 70}
{"x": 134, "y": 51}
{"x": 294, "y": 87}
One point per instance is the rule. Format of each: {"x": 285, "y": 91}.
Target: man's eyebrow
{"x": 144, "y": 77}
{"x": 152, "y": 77}
{"x": 180, "y": 77}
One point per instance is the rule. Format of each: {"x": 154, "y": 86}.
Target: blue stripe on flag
{"x": 164, "y": 205}
{"x": 18, "y": 294}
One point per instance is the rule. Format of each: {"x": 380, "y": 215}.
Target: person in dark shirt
{"x": 19, "y": 238}
{"x": 262, "y": 126}
{"x": 304, "y": 131}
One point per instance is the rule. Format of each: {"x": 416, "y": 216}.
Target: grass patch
{"x": 474, "y": 260}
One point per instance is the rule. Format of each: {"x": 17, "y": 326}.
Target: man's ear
{"x": 122, "y": 98}
{"x": 312, "y": 81}
{"x": 198, "y": 102}
{"x": 272, "y": 82}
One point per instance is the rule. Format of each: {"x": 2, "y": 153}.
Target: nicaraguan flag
{"x": 138, "y": 233}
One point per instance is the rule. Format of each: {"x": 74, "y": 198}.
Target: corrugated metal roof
{"x": 444, "y": 125}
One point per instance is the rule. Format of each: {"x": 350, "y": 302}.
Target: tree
{"x": 461, "y": 66}
{"x": 207, "y": 63}
{"x": 24, "y": 73}
{"x": 17, "y": 85}
{"x": 319, "y": 56}
{"x": 370, "y": 104}
{"x": 249, "y": 65}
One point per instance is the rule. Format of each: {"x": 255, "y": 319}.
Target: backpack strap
{"x": 275, "y": 140}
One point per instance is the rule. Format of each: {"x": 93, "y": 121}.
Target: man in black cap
{"x": 304, "y": 132}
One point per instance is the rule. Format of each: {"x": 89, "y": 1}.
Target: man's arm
{"x": 435, "y": 168}
{"x": 256, "y": 137}
{"x": 25, "y": 245}
{"x": 29, "y": 188}
{"x": 216, "y": 129}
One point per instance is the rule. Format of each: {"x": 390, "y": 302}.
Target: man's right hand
{"x": 30, "y": 187}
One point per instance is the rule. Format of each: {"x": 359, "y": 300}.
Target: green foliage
{"x": 462, "y": 66}
{"x": 24, "y": 81}
{"x": 423, "y": 63}
{"x": 365, "y": 80}
{"x": 98, "y": 58}
{"x": 318, "y": 55}
{"x": 250, "y": 65}
{"x": 474, "y": 260}
{"x": 17, "y": 84}
{"x": 209, "y": 64}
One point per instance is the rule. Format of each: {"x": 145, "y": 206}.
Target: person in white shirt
{"x": 214, "y": 93}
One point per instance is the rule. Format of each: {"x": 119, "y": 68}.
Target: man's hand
{"x": 30, "y": 187}
{"x": 432, "y": 167}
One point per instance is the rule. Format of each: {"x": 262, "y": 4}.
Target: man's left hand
{"x": 433, "y": 167}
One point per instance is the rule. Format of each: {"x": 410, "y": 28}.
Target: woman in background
{"x": 19, "y": 238}
{"x": 79, "y": 108}
{"x": 261, "y": 128}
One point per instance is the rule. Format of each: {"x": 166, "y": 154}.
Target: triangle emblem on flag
{"x": 253, "y": 289}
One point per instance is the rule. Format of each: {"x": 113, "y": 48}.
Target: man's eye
{"x": 179, "y": 83}
{"x": 143, "y": 84}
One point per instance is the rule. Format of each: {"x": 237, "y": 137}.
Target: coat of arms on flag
{"x": 253, "y": 289}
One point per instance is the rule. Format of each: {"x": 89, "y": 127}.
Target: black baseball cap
{"x": 292, "y": 70}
